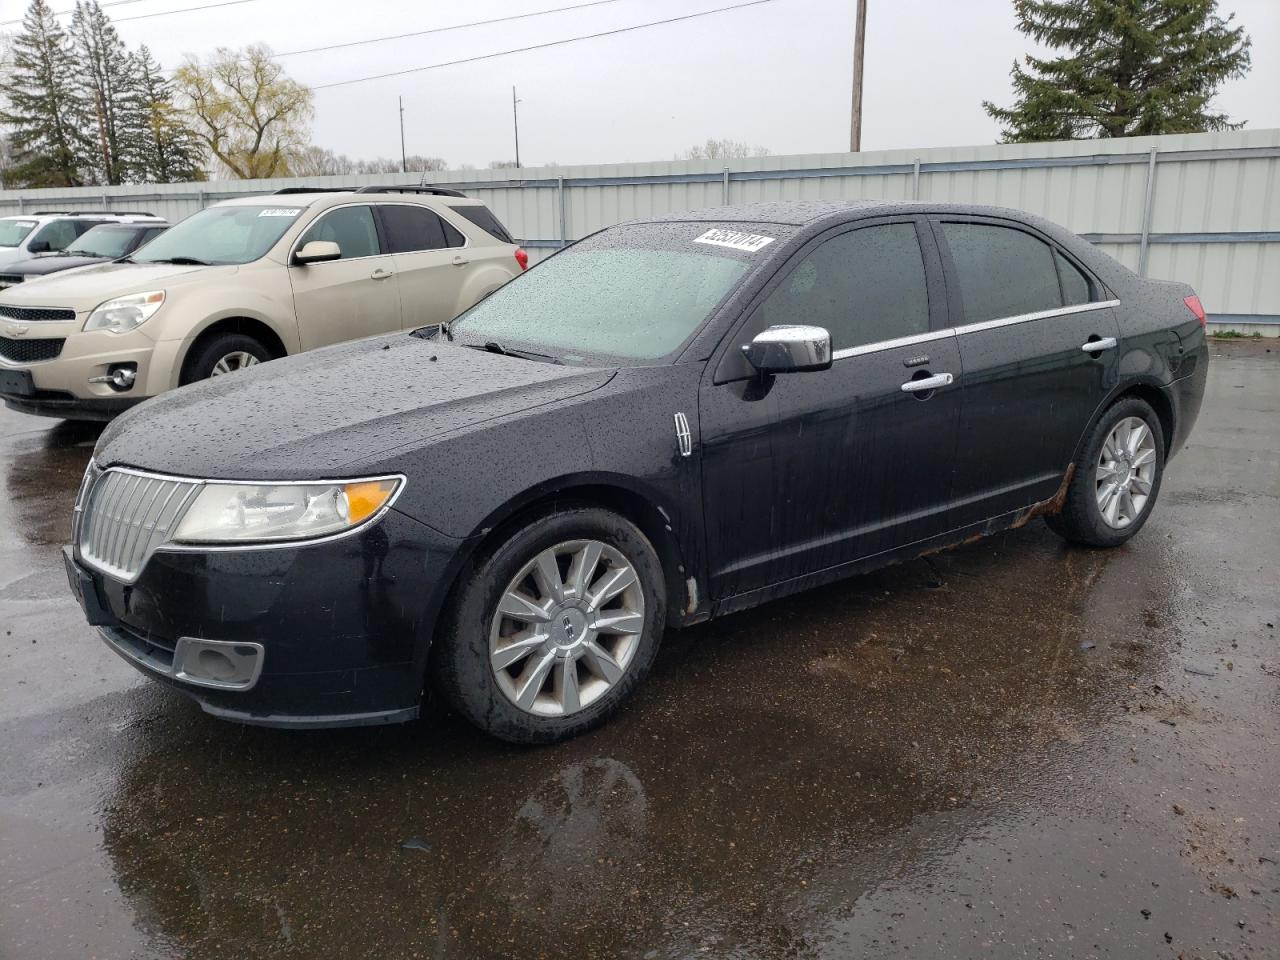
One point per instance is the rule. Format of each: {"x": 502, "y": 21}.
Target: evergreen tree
{"x": 162, "y": 147}
{"x": 104, "y": 64}
{"x": 44, "y": 116}
{"x": 1130, "y": 68}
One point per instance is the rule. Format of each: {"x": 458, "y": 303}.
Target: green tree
{"x": 1128, "y": 68}
{"x": 161, "y": 147}
{"x": 253, "y": 118}
{"x": 44, "y": 116}
{"x": 105, "y": 86}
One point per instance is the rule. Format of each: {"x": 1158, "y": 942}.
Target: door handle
{"x": 381, "y": 274}
{"x": 1097, "y": 346}
{"x": 460, "y": 261}
{"x": 925, "y": 384}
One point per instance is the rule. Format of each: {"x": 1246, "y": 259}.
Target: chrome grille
{"x": 125, "y": 516}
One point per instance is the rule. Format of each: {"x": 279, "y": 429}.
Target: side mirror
{"x": 790, "y": 349}
{"x": 38, "y": 246}
{"x": 317, "y": 251}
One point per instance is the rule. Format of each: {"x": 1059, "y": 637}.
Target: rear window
{"x": 13, "y": 232}
{"x": 1003, "y": 272}
{"x": 410, "y": 228}
{"x": 485, "y": 220}
{"x": 635, "y": 292}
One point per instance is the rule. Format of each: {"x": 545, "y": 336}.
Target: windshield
{"x": 634, "y": 292}
{"x": 221, "y": 235}
{"x": 100, "y": 242}
{"x": 13, "y": 232}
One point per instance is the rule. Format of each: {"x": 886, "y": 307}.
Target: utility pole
{"x": 404, "y": 163}
{"x": 515, "y": 124}
{"x": 859, "y": 43}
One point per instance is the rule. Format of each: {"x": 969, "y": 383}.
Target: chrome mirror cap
{"x": 790, "y": 349}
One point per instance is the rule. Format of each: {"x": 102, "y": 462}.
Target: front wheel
{"x": 1117, "y": 477}
{"x": 554, "y": 627}
{"x": 223, "y": 354}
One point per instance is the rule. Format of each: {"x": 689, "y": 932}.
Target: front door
{"x": 1038, "y": 346}
{"x": 353, "y": 297}
{"x": 808, "y": 471}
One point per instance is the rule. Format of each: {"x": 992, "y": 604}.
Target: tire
{"x": 1082, "y": 518}
{"x": 204, "y": 361}
{"x": 485, "y": 688}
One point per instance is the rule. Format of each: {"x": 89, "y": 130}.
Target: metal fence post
{"x": 724, "y": 192}
{"x": 1146, "y": 214}
{"x": 106, "y": 201}
{"x": 22, "y": 204}
{"x": 563, "y": 217}
{"x": 915, "y": 179}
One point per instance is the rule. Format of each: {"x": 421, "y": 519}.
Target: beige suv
{"x": 242, "y": 282}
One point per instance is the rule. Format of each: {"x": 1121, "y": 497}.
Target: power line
{"x": 456, "y": 26}
{"x": 541, "y": 46}
{"x": 141, "y": 16}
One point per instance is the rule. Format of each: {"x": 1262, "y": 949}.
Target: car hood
{"x": 52, "y": 263}
{"x": 84, "y": 288}
{"x": 323, "y": 413}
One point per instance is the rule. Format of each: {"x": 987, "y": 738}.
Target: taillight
{"x": 522, "y": 258}
{"x": 1194, "y": 305}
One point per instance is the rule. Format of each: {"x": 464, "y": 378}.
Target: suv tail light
{"x": 522, "y": 258}
{"x": 1194, "y": 305}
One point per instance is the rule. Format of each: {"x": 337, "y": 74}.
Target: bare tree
{"x": 723, "y": 150}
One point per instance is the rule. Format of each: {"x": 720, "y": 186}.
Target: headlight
{"x": 125, "y": 313}
{"x": 255, "y": 512}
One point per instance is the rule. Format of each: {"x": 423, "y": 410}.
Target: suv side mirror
{"x": 317, "y": 251}
{"x": 789, "y": 349}
{"x": 38, "y": 246}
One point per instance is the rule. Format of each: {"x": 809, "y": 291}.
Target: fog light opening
{"x": 215, "y": 665}
{"x": 119, "y": 376}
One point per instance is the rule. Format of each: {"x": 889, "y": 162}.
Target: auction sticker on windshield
{"x": 280, "y": 212}
{"x": 736, "y": 239}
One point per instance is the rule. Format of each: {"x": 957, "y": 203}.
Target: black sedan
{"x": 107, "y": 241}
{"x": 670, "y": 420}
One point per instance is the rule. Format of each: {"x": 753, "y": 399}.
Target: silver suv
{"x": 242, "y": 282}
{"x": 24, "y": 236}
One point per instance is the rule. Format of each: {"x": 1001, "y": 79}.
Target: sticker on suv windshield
{"x": 750, "y": 242}
{"x": 280, "y": 212}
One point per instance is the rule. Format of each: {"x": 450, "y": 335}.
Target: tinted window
{"x": 1003, "y": 272}
{"x": 57, "y": 234}
{"x": 485, "y": 220}
{"x": 411, "y": 228}
{"x": 452, "y": 238}
{"x": 351, "y": 228}
{"x": 1075, "y": 286}
{"x": 864, "y": 286}
{"x": 223, "y": 234}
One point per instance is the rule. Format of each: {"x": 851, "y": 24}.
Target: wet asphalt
{"x": 1017, "y": 749}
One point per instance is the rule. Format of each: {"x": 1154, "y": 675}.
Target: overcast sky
{"x": 776, "y": 74}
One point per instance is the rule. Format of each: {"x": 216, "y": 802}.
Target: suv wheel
{"x": 225, "y": 353}
{"x": 554, "y": 627}
{"x": 1117, "y": 477}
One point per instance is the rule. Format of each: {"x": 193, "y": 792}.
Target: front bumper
{"x": 342, "y": 627}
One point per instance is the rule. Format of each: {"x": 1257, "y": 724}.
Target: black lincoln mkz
{"x": 669, "y": 420}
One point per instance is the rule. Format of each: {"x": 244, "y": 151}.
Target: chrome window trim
{"x": 199, "y": 483}
{"x": 881, "y": 345}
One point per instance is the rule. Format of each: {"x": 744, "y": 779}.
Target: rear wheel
{"x": 1117, "y": 477}
{"x": 223, "y": 354}
{"x": 554, "y": 627}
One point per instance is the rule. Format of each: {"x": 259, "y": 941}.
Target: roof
{"x": 804, "y": 212}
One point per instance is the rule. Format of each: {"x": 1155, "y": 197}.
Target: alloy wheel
{"x": 236, "y": 360}
{"x": 1126, "y": 471}
{"x": 567, "y": 628}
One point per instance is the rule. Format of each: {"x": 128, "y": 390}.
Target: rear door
{"x": 431, "y": 258}
{"x": 1037, "y": 339}
{"x": 807, "y": 471}
{"x": 353, "y": 297}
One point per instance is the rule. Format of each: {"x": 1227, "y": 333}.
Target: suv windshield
{"x": 232, "y": 234}
{"x": 100, "y": 242}
{"x": 13, "y": 232}
{"x": 634, "y": 292}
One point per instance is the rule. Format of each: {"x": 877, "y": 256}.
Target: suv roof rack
{"x": 287, "y": 190}
{"x": 413, "y": 188}
{"x": 89, "y": 213}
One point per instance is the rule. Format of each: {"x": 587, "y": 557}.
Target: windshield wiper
{"x": 183, "y": 262}
{"x": 493, "y": 346}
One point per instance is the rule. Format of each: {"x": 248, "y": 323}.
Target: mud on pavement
{"x": 1012, "y": 749}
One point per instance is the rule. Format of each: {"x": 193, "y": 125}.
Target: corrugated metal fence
{"x": 1203, "y": 208}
